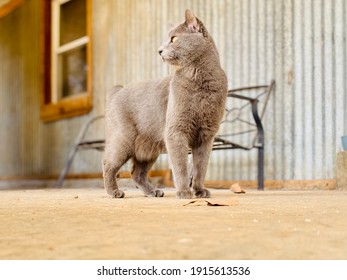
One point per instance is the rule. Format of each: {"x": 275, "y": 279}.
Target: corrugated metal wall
{"x": 20, "y": 141}
{"x": 299, "y": 43}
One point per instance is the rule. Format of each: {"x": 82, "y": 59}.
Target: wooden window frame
{"x": 51, "y": 108}
{"x": 9, "y": 7}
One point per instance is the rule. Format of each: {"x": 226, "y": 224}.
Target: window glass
{"x": 72, "y": 67}
{"x": 72, "y": 21}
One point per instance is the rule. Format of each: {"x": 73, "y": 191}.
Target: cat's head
{"x": 186, "y": 42}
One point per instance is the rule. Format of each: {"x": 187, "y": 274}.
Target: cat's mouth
{"x": 169, "y": 60}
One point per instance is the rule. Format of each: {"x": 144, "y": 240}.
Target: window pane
{"x": 72, "y": 21}
{"x": 72, "y": 69}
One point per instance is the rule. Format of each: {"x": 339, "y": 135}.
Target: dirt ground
{"x": 87, "y": 224}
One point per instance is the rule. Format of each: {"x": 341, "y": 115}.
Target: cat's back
{"x": 140, "y": 104}
{"x": 144, "y": 93}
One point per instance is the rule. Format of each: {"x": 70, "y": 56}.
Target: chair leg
{"x": 260, "y": 168}
{"x": 67, "y": 166}
{"x": 191, "y": 174}
{"x": 74, "y": 150}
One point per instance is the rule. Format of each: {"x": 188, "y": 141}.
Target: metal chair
{"x": 251, "y": 98}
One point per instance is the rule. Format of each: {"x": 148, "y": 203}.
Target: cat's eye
{"x": 173, "y": 39}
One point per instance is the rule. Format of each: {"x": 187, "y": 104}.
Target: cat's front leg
{"x": 177, "y": 147}
{"x": 201, "y": 156}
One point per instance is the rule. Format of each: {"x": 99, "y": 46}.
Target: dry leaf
{"x": 197, "y": 202}
{"x": 203, "y": 202}
{"x": 222, "y": 203}
{"x": 235, "y": 188}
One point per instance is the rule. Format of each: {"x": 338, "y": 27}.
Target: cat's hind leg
{"x": 110, "y": 170}
{"x": 113, "y": 160}
{"x": 139, "y": 174}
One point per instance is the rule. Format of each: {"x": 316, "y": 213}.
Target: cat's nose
{"x": 160, "y": 51}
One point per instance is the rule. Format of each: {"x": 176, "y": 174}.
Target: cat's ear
{"x": 191, "y": 21}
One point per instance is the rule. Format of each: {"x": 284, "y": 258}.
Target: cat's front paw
{"x": 117, "y": 194}
{"x": 184, "y": 194}
{"x": 203, "y": 193}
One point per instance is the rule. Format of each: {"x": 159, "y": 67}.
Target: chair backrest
{"x": 85, "y": 136}
{"x": 239, "y": 125}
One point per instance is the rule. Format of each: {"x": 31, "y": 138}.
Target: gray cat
{"x": 173, "y": 114}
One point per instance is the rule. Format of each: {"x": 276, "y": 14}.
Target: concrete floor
{"x": 87, "y": 224}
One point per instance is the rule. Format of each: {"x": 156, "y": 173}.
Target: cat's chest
{"x": 190, "y": 93}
